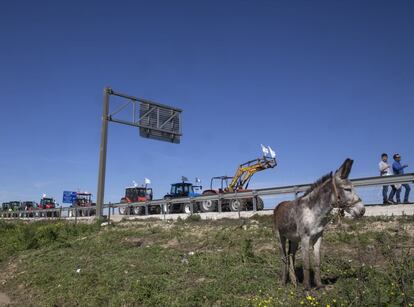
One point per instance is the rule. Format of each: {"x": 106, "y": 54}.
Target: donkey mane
{"x": 317, "y": 183}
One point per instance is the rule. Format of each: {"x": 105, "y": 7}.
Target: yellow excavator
{"x": 239, "y": 183}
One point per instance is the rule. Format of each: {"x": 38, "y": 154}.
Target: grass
{"x": 194, "y": 262}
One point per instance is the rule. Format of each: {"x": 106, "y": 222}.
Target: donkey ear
{"x": 345, "y": 169}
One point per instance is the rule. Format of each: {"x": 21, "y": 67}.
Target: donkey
{"x": 302, "y": 221}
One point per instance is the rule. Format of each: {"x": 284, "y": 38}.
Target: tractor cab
{"x": 137, "y": 194}
{"x": 47, "y": 203}
{"x": 181, "y": 189}
{"x": 15, "y": 206}
{"x": 222, "y": 182}
{"x": 83, "y": 199}
{"x": 29, "y": 205}
{"x": 184, "y": 189}
{"x": 5, "y": 206}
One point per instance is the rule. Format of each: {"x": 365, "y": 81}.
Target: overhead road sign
{"x": 69, "y": 197}
{"x": 155, "y": 120}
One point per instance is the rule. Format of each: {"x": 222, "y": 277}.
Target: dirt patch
{"x": 171, "y": 243}
{"x": 144, "y": 224}
{"x": 8, "y": 272}
{"x": 4, "y": 299}
{"x": 135, "y": 242}
{"x": 265, "y": 247}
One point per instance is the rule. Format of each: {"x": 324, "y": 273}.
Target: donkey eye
{"x": 348, "y": 189}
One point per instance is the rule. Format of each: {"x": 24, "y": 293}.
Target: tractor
{"x": 239, "y": 183}
{"x": 29, "y": 207}
{"x": 82, "y": 204}
{"x": 137, "y": 194}
{"x": 183, "y": 189}
{"x": 6, "y": 211}
{"x": 84, "y": 199}
{"x": 48, "y": 203}
{"x": 14, "y": 207}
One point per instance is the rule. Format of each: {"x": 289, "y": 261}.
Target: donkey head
{"x": 345, "y": 196}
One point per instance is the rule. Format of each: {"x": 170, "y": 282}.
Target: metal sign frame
{"x": 155, "y": 121}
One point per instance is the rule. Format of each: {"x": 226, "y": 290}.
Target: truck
{"x": 239, "y": 183}
{"x": 183, "y": 189}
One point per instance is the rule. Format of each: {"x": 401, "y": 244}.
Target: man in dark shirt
{"x": 398, "y": 169}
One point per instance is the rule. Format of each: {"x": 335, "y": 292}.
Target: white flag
{"x": 44, "y": 195}
{"x": 183, "y": 178}
{"x": 265, "y": 150}
{"x": 147, "y": 181}
{"x": 134, "y": 183}
{"x": 272, "y": 153}
{"x": 197, "y": 180}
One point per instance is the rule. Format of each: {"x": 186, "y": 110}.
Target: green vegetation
{"x": 195, "y": 262}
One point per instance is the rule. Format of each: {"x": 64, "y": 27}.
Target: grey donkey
{"x": 303, "y": 220}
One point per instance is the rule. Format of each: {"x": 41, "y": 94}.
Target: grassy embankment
{"x": 192, "y": 263}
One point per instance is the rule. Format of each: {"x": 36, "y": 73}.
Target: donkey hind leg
{"x": 304, "y": 244}
{"x": 317, "y": 267}
{"x": 285, "y": 259}
{"x": 293, "y": 247}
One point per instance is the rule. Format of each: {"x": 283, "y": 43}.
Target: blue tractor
{"x": 183, "y": 189}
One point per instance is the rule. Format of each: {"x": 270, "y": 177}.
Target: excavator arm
{"x": 246, "y": 170}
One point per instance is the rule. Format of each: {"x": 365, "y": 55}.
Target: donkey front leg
{"x": 293, "y": 247}
{"x": 317, "y": 268}
{"x": 285, "y": 259}
{"x": 304, "y": 244}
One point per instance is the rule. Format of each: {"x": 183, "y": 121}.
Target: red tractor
{"x": 83, "y": 202}
{"x": 48, "y": 203}
{"x": 134, "y": 195}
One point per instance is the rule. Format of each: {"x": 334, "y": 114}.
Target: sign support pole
{"x": 102, "y": 153}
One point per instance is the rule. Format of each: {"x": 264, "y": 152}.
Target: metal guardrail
{"x": 164, "y": 203}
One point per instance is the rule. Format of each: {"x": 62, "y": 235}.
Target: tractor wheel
{"x": 259, "y": 204}
{"x": 154, "y": 209}
{"x": 187, "y": 208}
{"x": 237, "y": 205}
{"x": 123, "y": 210}
{"x": 208, "y": 205}
{"x": 139, "y": 210}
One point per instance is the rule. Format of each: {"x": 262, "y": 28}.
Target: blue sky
{"x": 319, "y": 81}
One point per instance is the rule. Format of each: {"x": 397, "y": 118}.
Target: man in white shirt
{"x": 385, "y": 170}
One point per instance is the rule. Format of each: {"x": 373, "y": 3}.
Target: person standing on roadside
{"x": 398, "y": 169}
{"x": 385, "y": 170}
